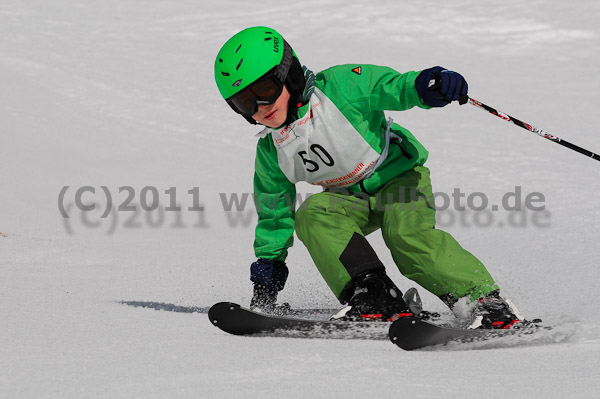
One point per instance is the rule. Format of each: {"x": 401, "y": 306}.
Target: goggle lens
{"x": 264, "y": 91}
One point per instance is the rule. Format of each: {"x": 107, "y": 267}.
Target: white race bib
{"x": 323, "y": 148}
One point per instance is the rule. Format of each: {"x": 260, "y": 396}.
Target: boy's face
{"x": 274, "y": 115}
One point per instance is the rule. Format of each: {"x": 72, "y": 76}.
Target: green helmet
{"x": 252, "y": 53}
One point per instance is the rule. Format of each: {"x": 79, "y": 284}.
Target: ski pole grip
{"x": 434, "y": 84}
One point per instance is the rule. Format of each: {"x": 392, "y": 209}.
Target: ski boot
{"x": 494, "y": 312}
{"x": 375, "y": 297}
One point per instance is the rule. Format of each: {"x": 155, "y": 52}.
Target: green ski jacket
{"x": 341, "y": 140}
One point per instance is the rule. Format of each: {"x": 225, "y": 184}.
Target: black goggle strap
{"x": 286, "y": 62}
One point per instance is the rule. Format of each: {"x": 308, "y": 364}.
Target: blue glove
{"x": 437, "y": 86}
{"x": 272, "y": 274}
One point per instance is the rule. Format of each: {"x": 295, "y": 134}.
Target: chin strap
{"x": 251, "y": 120}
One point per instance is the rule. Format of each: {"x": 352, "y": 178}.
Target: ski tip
{"x": 219, "y": 309}
{"x": 401, "y": 332}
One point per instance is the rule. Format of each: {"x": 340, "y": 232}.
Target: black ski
{"x": 412, "y": 333}
{"x": 235, "y": 319}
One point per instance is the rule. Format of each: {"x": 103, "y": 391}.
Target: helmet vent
{"x": 225, "y": 73}
{"x": 267, "y": 39}
{"x": 239, "y": 65}
{"x": 238, "y": 49}
{"x": 220, "y": 59}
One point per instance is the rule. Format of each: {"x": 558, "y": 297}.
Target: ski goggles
{"x": 266, "y": 90}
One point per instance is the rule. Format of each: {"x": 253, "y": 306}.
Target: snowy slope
{"x": 121, "y": 94}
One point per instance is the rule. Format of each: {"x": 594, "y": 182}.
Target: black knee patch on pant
{"x": 359, "y": 257}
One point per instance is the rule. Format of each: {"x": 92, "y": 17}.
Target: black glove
{"x": 269, "y": 273}
{"x": 269, "y": 277}
{"x": 437, "y": 86}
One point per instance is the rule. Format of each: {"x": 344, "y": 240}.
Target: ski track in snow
{"x": 121, "y": 94}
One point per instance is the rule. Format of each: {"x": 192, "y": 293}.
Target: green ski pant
{"x": 333, "y": 224}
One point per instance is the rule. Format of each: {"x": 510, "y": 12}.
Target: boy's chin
{"x": 275, "y": 125}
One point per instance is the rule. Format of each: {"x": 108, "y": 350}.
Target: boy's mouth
{"x": 270, "y": 114}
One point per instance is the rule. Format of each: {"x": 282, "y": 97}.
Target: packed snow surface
{"x": 118, "y": 97}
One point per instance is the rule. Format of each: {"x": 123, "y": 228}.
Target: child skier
{"x": 329, "y": 129}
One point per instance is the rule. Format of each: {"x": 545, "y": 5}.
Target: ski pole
{"x": 539, "y": 132}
